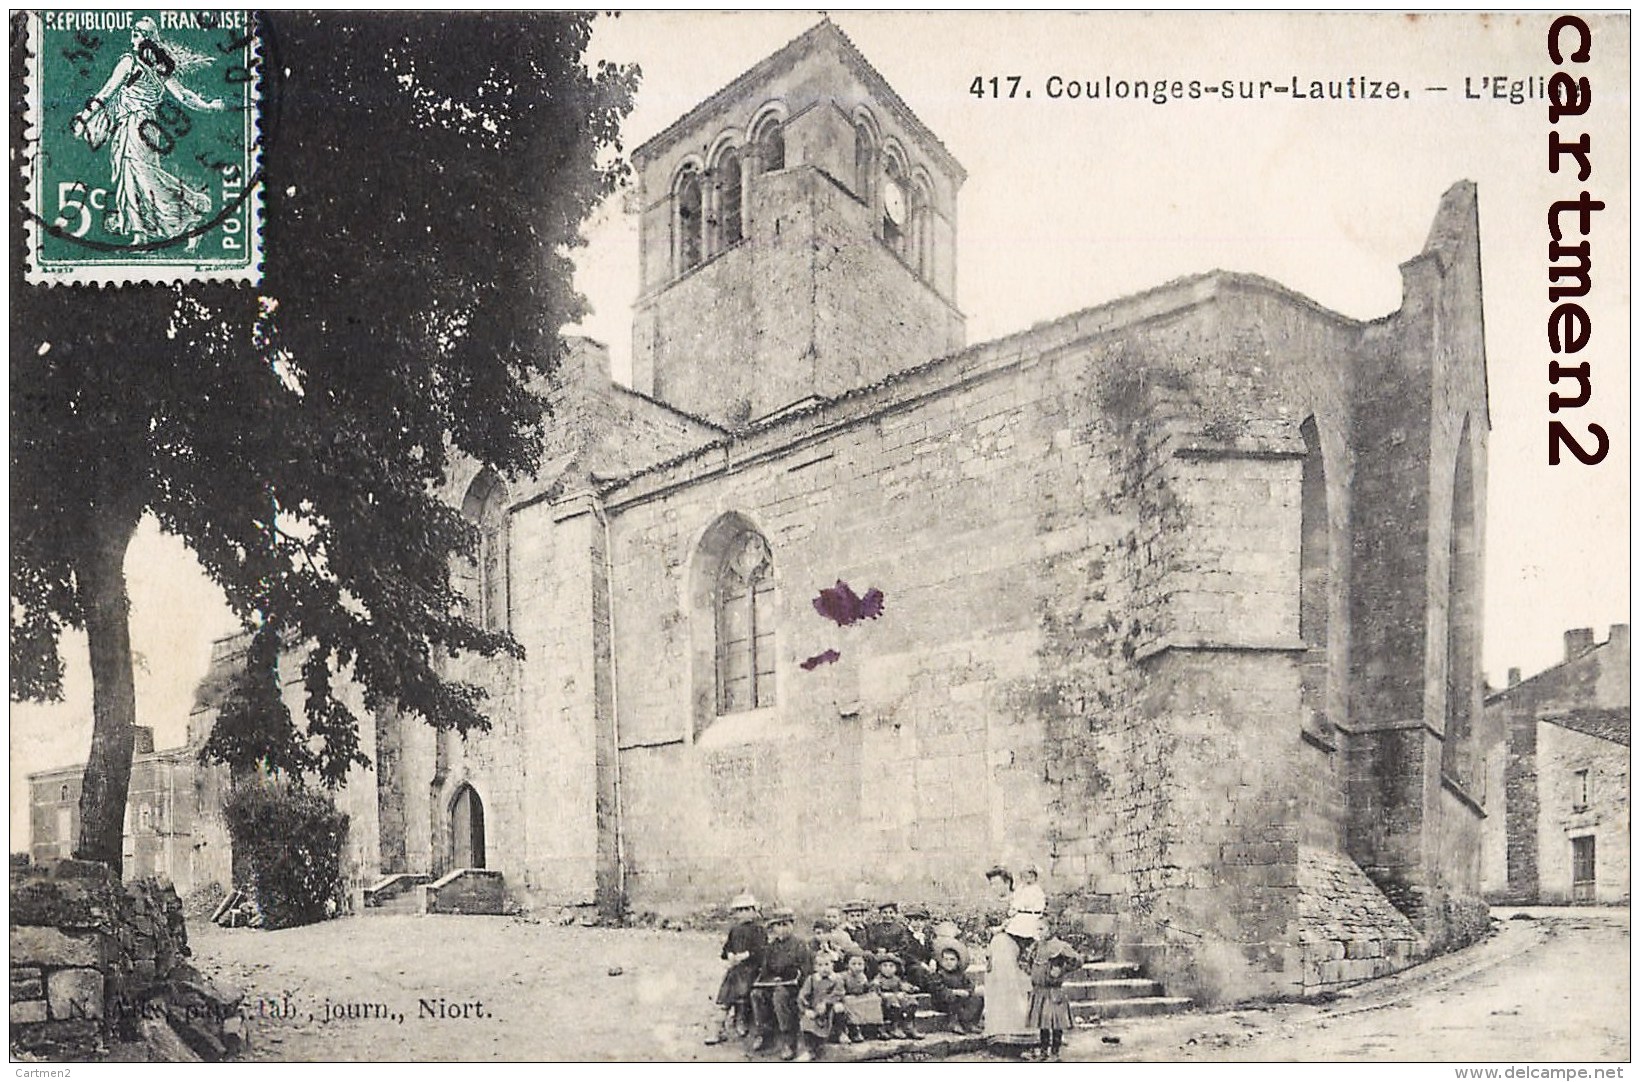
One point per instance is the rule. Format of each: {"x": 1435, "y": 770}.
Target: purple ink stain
{"x": 818, "y": 660}
{"x": 843, "y": 606}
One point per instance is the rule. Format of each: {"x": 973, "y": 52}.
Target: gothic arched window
{"x": 745, "y": 626}
{"x": 730, "y": 218}
{"x": 483, "y": 580}
{"x": 689, "y": 220}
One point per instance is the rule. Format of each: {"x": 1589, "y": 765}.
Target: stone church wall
{"x": 911, "y": 763}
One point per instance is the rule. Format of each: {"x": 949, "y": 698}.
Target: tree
{"x": 425, "y": 178}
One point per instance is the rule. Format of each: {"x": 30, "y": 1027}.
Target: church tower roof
{"x": 823, "y": 34}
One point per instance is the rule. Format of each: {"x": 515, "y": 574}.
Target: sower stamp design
{"x": 144, "y": 147}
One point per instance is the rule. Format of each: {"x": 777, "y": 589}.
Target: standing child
{"x": 1050, "y": 1010}
{"x": 821, "y": 1002}
{"x": 899, "y": 999}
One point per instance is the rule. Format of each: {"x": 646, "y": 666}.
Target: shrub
{"x": 292, "y": 839}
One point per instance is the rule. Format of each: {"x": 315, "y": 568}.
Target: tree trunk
{"x": 99, "y": 572}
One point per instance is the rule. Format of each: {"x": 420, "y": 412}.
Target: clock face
{"x": 894, "y": 203}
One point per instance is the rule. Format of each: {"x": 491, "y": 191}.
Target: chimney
{"x": 1514, "y": 676}
{"x": 1619, "y": 638}
{"x": 145, "y": 740}
{"x": 1578, "y": 640}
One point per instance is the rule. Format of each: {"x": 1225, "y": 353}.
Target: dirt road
{"x": 1553, "y": 988}
{"x": 433, "y": 988}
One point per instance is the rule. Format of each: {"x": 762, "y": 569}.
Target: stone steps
{"x": 411, "y": 903}
{"x": 1124, "y": 988}
{"x": 1097, "y": 991}
{"x": 1090, "y": 1012}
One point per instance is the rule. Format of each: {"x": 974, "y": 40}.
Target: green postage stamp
{"x": 143, "y": 143}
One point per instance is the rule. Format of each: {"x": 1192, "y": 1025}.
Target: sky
{"x": 1071, "y": 203}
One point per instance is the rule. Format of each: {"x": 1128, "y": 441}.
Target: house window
{"x": 689, "y": 220}
{"x": 1580, "y": 790}
{"x": 483, "y": 581}
{"x": 745, "y": 627}
{"x": 731, "y": 220}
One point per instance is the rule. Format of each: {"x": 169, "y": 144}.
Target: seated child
{"x": 820, "y": 1003}
{"x": 862, "y": 1006}
{"x": 899, "y": 999}
{"x": 953, "y": 989}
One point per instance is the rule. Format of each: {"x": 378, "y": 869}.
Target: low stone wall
{"x": 94, "y": 960}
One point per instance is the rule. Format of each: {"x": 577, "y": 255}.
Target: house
{"x": 1564, "y": 769}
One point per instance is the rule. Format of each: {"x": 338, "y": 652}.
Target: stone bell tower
{"x": 798, "y": 239}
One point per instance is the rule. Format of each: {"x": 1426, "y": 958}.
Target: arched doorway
{"x": 466, "y": 829}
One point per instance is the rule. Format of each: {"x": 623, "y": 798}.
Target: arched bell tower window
{"x": 920, "y": 247}
{"x": 770, "y": 138}
{"x": 896, "y": 223}
{"x": 690, "y": 219}
{"x": 483, "y": 580}
{"x": 865, "y": 162}
{"x": 727, "y": 191}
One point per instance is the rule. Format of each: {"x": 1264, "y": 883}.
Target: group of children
{"x": 856, "y": 978}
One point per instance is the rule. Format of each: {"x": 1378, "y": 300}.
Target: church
{"x": 1179, "y": 594}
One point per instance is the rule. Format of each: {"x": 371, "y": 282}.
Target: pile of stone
{"x": 95, "y": 961}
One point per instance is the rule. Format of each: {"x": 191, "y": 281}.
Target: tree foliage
{"x": 292, "y": 840}
{"x": 424, "y": 181}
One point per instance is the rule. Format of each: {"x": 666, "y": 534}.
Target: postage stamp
{"x": 143, "y": 147}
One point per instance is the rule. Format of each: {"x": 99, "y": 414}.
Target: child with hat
{"x": 952, "y": 989}
{"x": 743, "y": 950}
{"x": 857, "y": 919}
{"x": 899, "y": 999}
{"x": 1049, "y": 1012}
{"x": 786, "y": 961}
